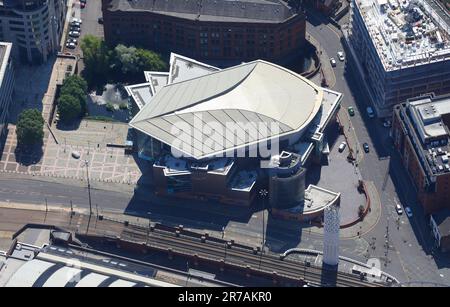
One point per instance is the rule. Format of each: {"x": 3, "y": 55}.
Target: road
{"x": 90, "y": 26}
{"x": 410, "y": 244}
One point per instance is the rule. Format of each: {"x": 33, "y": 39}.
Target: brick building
{"x": 421, "y": 135}
{"x": 219, "y": 32}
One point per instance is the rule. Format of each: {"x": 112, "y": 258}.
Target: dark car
{"x": 366, "y": 147}
{"x": 100, "y": 20}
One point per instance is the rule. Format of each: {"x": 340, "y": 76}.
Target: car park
{"x": 370, "y": 112}
{"x": 74, "y": 34}
{"x": 341, "y": 56}
{"x": 342, "y": 146}
{"x": 351, "y": 111}
{"x": 366, "y": 147}
{"x": 333, "y": 62}
{"x": 408, "y": 211}
{"x": 399, "y": 209}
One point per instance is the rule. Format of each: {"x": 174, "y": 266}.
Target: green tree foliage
{"x": 30, "y": 127}
{"x": 77, "y": 81}
{"x": 150, "y": 60}
{"x": 96, "y": 59}
{"x": 126, "y": 59}
{"x": 72, "y": 98}
{"x": 69, "y": 107}
{"x": 122, "y": 63}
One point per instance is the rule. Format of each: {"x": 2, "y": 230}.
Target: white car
{"x": 74, "y": 34}
{"x": 399, "y": 210}
{"x": 333, "y": 62}
{"x": 341, "y": 56}
{"x": 71, "y": 45}
{"x": 408, "y": 211}
{"x": 342, "y": 147}
{"x": 77, "y": 20}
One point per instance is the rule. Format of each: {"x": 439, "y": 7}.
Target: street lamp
{"x": 263, "y": 194}
{"x": 89, "y": 193}
{"x": 88, "y": 186}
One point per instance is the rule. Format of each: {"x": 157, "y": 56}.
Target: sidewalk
{"x": 350, "y": 135}
{"x": 326, "y": 70}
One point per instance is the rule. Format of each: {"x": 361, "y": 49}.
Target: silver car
{"x": 74, "y": 34}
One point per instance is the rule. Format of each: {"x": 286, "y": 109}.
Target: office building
{"x": 223, "y": 33}
{"x": 6, "y": 85}
{"x": 402, "y": 50}
{"x": 34, "y": 27}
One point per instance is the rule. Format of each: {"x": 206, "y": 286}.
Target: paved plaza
{"x": 105, "y": 164}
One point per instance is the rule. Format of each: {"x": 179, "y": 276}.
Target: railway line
{"x": 247, "y": 258}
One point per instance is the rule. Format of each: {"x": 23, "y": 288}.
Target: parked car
{"x": 408, "y": 211}
{"x": 82, "y": 5}
{"x": 399, "y": 209}
{"x": 366, "y": 147}
{"x": 341, "y": 56}
{"x": 75, "y": 29}
{"x": 74, "y": 34}
{"x": 100, "y": 20}
{"x": 333, "y": 62}
{"x": 77, "y": 20}
{"x": 370, "y": 112}
{"x": 71, "y": 45}
{"x": 72, "y": 40}
{"x": 351, "y": 111}
{"x": 387, "y": 124}
{"x": 342, "y": 147}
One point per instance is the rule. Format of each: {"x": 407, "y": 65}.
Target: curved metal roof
{"x": 230, "y": 108}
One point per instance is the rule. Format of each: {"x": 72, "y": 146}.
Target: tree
{"x": 126, "y": 59}
{"x": 30, "y": 128}
{"x": 97, "y": 58}
{"x": 69, "y": 107}
{"x": 77, "y": 81}
{"x": 150, "y": 60}
{"x": 75, "y": 91}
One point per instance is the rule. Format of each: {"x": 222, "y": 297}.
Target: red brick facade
{"x": 207, "y": 41}
{"x": 432, "y": 199}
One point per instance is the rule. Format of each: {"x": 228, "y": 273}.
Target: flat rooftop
{"x": 406, "y": 32}
{"x": 243, "y": 181}
{"x": 316, "y": 199}
{"x": 261, "y": 11}
{"x": 429, "y": 118}
{"x": 174, "y": 166}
